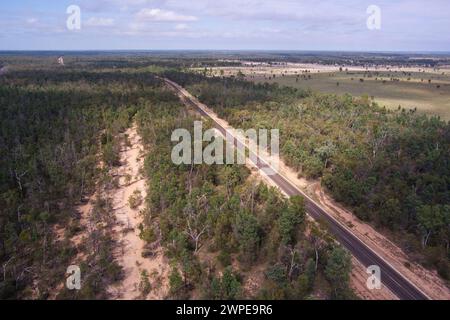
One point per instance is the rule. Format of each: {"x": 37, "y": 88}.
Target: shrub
{"x": 135, "y": 200}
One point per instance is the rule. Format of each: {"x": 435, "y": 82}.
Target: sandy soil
{"x": 253, "y": 279}
{"x": 126, "y": 231}
{"x": 426, "y": 280}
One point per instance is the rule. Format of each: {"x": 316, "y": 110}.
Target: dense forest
{"x": 61, "y": 131}
{"x": 391, "y": 167}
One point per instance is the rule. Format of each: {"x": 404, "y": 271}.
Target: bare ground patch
{"x": 131, "y": 247}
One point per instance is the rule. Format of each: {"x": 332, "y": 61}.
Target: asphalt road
{"x": 390, "y": 277}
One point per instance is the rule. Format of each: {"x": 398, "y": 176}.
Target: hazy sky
{"x": 406, "y": 25}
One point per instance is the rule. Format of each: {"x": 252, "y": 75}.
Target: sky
{"x": 405, "y": 25}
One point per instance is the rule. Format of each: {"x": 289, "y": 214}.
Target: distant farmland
{"x": 409, "y": 94}
{"x": 428, "y": 91}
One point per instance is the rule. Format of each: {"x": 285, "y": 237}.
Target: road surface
{"x": 391, "y": 278}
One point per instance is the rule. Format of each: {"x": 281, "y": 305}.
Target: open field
{"x": 391, "y": 87}
{"x": 410, "y": 94}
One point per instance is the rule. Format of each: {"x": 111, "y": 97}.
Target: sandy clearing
{"x": 126, "y": 231}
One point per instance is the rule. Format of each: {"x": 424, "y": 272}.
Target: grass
{"x": 409, "y": 94}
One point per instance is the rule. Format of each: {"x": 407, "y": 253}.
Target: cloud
{"x": 99, "y": 22}
{"x": 163, "y": 16}
{"x": 112, "y": 5}
{"x": 230, "y": 24}
{"x": 32, "y": 20}
{"x": 181, "y": 26}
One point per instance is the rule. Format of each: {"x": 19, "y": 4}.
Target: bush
{"x": 147, "y": 234}
{"x": 313, "y": 167}
{"x": 176, "y": 284}
{"x": 144, "y": 284}
{"x": 111, "y": 154}
{"x": 135, "y": 200}
{"x": 224, "y": 258}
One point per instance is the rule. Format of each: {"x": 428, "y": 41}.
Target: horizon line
{"x": 232, "y": 50}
